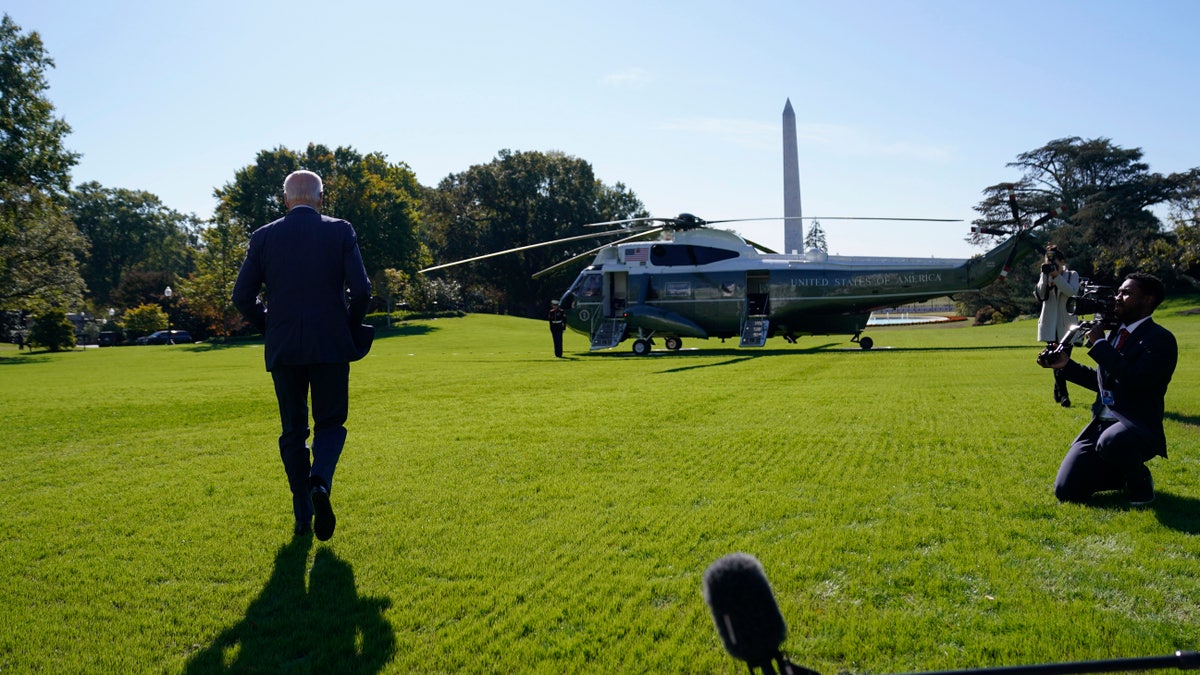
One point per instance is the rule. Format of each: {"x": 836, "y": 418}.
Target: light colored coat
{"x": 1054, "y": 321}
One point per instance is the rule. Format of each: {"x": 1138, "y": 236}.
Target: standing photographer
{"x": 1054, "y": 287}
{"x": 1134, "y": 367}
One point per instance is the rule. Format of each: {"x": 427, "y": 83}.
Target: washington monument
{"x": 793, "y": 229}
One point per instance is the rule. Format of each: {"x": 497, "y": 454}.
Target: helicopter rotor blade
{"x": 687, "y": 220}
{"x": 1012, "y": 255}
{"x": 1054, "y": 213}
{"x": 559, "y": 265}
{"x": 924, "y": 220}
{"x": 627, "y": 221}
{"x": 590, "y": 235}
{"x": 1012, "y": 205}
{"x": 915, "y": 220}
{"x": 759, "y": 246}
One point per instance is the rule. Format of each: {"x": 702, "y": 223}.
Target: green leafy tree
{"x": 52, "y": 330}
{"x": 1106, "y": 228}
{"x": 426, "y": 294}
{"x": 139, "y": 288}
{"x": 380, "y": 199}
{"x": 1185, "y": 222}
{"x": 129, "y": 230}
{"x": 520, "y": 198}
{"x": 39, "y": 250}
{"x": 389, "y": 285}
{"x": 32, "y": 154}
{"x": 144, "y": 320}
{"x": 39, "y": 246}
{"x": 209, "y": 289}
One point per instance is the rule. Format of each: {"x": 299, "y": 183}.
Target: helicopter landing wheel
{"x": 866, "y": 343}
{"x": 641, "y": 346}
{"x": 673, "y": 343}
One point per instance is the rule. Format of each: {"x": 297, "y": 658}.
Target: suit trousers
{"x": 329, "y": 385}
{"x": 1104, "y": 457}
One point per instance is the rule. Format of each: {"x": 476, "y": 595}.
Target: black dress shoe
{"x": 1065, "y": 402}
{"x": 323, "y": 518}
{"x": 301, "y": 528}
{"x": 1140, "y": 488}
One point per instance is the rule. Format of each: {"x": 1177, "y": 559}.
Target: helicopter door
{"x": 609, "y": 331}
{"x": 756, "y": 325}
{"x": 616, "y": 295}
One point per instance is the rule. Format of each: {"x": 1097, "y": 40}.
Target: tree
{"x": 209, "y": 289}
{"x": 1106, "y": 228}
{"x": 139, "y": 288}
{"x": 816, "y": 238}
{"x": 1185, "y": 222}
{"x": 381, "y": 200}
{"x": 39, "y": 250}
{"x": 389, "y": 285}
{"x": 129, "y": 230}
{"x": 520, "y": 198}
{"x": 144, "y": 320}
{"x": 53, "y": 331}
{"x": 32, "y": 154}
{"x": 39, "y": 247}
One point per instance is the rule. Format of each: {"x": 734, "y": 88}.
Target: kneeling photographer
{"x": 1134, "y": 364}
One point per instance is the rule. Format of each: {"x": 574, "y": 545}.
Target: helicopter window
{"x": 590, "y": 286}
{"x": 669, "y": 255}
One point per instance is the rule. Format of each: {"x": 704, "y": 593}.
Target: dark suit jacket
{"x": 307, "y": 262}
{"x": 1137, "y": 376}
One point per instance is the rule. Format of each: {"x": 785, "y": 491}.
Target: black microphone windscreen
{"x": 744, "y": 609}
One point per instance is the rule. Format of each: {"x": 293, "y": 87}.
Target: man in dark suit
{"x": 1134, "y": 367}
{"x": 317, "y": 293}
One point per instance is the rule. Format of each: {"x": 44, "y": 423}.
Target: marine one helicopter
{"x": 675, "y": 278}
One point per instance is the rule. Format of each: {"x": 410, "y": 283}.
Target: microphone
{"x": 744, "y": 610}
{"x": 750, "y": 624}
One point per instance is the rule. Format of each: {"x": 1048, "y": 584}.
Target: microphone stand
{"x": 1181, "y": 660}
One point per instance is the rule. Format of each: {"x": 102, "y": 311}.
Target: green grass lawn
{"x": 500, "y": 510}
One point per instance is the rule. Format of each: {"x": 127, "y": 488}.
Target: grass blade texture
{"x": 500, "y": 510}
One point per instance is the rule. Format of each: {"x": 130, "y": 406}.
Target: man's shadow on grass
{"x": 324, "y": 628}
{"x": 1181, "y": 514}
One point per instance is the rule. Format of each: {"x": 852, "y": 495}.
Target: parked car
{"x": 166, "y": 337}
{"x": 107, "y": 338}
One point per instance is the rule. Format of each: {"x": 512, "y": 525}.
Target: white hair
{"x": 303, "y": 187}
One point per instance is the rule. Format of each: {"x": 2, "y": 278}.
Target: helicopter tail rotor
{"x": 1021, "y": 229}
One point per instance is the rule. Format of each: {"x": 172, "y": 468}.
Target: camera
{"x": 1092, "y": 299}
{"x": 1050, "y": 354}
{"x": 1048, "y": 267}
{"x": 1095, "y": 299}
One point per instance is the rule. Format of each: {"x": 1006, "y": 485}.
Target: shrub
{"x": 53, "y": 331}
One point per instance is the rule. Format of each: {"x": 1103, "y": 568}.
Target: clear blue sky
{"x": 903, "y": 108}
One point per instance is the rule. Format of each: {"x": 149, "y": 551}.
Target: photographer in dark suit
{"x": 1134, "y": 367}
{"x": 317, "y": 293}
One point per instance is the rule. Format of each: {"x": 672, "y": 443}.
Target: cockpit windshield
{"x": 588, "y": 287}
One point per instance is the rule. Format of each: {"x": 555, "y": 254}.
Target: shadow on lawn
{"x": 1181, "y": 514}
{"x": 1192, "y": 420}
{"x": 322, "y": 628}
{"x": 737, "y": 355}
{"x": 381, "y": 333}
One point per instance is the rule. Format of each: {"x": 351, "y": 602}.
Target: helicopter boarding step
{"x": 608, "y": 334}
{"x": 755, "y": 331}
